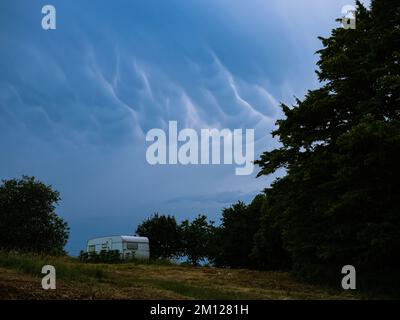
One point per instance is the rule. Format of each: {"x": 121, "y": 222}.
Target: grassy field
{"x": 20, "y": 278}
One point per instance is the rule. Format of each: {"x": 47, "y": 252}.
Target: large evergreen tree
{"x": 339, "y": 202}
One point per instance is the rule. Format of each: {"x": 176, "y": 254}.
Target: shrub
{"x": 104, "y": 256}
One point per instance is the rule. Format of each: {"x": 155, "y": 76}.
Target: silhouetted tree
{"x": 28, "y": 221}
{"x": 163, "y": 234}
{"x": 268, "y": 251}
{"x": 196, "y": 238}
{"x": 339, "y": 201}
{"x": 235, "y": 236}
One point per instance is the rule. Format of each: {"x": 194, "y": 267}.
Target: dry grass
{"x": 20, "y": 278}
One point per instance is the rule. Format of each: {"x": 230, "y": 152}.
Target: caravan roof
{"x": 135, "y": 239}
{"x": 123, "y": 238}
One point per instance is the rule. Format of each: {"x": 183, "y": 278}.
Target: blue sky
{"x": 76, "y": 102}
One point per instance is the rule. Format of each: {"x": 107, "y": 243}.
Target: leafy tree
{"x": 235, "y": 235}
{"x": 28, "y": 221}
{"x": 268, "y": 251}
{"x": 196, "y": 238}
{"x": 339, "y": 201}
{"x": 163, "y": 234}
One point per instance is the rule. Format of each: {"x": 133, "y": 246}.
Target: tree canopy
{"x": 234, "y": 238}
{"x": 163, "y": 232}
{"x": 196, "y": 238}
{"x": 338, "y": 203}
{"x": 28, "y": 221}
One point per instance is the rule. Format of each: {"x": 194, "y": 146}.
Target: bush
{"x": 104, "y": 256}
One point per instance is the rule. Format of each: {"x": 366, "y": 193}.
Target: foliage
{"x": 235, "y": 236}
{"x": 268, "y": 251}
{"x": 104, "y": 256}
{"x": 28, "y": 221}
{"x": 163, "y": 234}
{"x": 196, "y": 238}
{"x": 339, "y": 201}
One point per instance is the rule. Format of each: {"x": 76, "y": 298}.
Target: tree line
{"x": 230, "y": 244}
{"x": 339, "y": 201}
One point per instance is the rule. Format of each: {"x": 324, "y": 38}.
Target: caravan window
{"x": 104, "y": 246}
{"x": 92, "y": 248}
{"x": 132, "y": 246}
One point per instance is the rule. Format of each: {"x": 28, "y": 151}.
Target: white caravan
{"x": 128, "y": 246}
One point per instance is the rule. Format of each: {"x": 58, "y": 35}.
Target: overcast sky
{"x": 76, "y": 102}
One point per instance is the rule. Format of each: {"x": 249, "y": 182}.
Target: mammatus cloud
{"x": 136, "y": 98}
{"x": 77, "y": 102}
